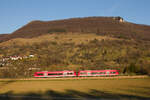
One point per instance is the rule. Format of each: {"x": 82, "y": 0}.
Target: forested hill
{"x": 112, "y": 26}
{"x": 91, "y": 43}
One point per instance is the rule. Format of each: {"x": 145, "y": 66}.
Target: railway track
{"x": 79, "y": 78}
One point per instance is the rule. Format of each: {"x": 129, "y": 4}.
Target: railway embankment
{"x": 79, "y": 78}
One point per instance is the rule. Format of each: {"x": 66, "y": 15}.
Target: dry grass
{"x": 129, "y": 87}
{"x": 60, "y": 38}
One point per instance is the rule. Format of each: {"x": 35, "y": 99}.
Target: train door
{"x": 65, "y": 73}
{"x": 89, "y": 73}
{"x": 45, "y": 74}
{"x": 107, "y": 72}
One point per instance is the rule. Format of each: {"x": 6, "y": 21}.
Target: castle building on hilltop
{"x": 120, "y": 19}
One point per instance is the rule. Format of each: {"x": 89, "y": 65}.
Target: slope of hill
{"x": 76, "y": 38}
{"x": 2, "y": 36}
{"x": 101, "y": 25}
{"x": 77, "y": 44}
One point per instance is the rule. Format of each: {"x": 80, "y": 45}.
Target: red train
{"x": 55, "y": 74}
{"x": 98, "y": 73}
{"x": 76, "y": 74}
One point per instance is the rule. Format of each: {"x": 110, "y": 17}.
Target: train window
{"x": 69, "y": 73}
{"x": 83, "y": 73}
{"x": 98, "y": 72}
{"x": 94, "y": 72}
{"x": 55, "y": 73}
{"x": 102, "y": 72}
{"x": 112, "y": 72}
{"x": 40, "y": 74}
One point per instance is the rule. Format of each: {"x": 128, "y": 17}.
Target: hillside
{"x": 76, "y": 38}
{"x": 110, "y": 26}
{"x": 76, "y": 44}
{"x": 73, "y": 51}
{"x": 2, "y": 36}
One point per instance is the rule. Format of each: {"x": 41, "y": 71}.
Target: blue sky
{"x": 16, "y": 13}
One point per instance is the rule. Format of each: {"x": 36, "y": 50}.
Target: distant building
{"x": 33, "y": 69}
{"x": 120, "y": 19}
{"x": 15, "y": 57}
{"x": 31, "y": 56}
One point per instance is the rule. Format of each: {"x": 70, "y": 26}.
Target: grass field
{"x": 132, "y": 89}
